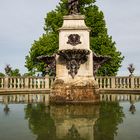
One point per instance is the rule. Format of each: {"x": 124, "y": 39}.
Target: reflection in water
{"x": 111, "y": 115}
{"x": 6, "y": 109}
{"x": 40, "y": 121}
{"x": 71, "y": 122}
{"x": 73, "y": 133}
{"x": 132, "y": 108}
{"x": 74, "y": 122}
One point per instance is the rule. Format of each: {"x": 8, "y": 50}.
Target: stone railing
{"x": 38, "y": 83}
{"x": 33, "y": 83}
{"x": 118, "y": 82}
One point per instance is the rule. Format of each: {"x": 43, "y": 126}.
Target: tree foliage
{"x": 11, "y": 72}
{"x": 111, "y": 115}
{"x": 2, "y": 74}
{"x": 101, "y": 42}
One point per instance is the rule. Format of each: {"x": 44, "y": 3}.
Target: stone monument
{"x": 74, "y": 80}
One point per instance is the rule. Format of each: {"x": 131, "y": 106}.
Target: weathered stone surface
{"x": 82, "y": 90}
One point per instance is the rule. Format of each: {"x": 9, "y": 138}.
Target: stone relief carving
{"x": 74, "y": 58}
{"x": 74, "y": 39}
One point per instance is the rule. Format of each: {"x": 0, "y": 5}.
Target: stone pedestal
{"x": 79, "y": 90}
{"x": 74, "y": 71}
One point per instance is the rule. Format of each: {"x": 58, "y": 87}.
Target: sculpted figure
{"x": 73, "y": 6}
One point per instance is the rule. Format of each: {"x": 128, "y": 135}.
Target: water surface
{"x": 118, "y": 120}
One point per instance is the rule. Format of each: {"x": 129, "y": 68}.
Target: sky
{"x": 22, "y": 21}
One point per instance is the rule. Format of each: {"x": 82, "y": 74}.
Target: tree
{"x": 11, "y": 72}
{"x": 15, "y": 72}
{"x": 2, "y": 74}
{"x": 101, "y": 42}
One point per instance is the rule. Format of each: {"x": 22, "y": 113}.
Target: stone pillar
{"x": 113, "y": 83}
{"x": 6, "y": 82}
{"x": 47, "y": 82}
{"x": 132, "y": 82}
{"x": 26, "y": 82}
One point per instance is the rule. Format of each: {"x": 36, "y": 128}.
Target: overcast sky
{"x": 22, "y": 21}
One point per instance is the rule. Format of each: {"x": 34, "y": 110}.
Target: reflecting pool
{"x": 23, "y": 118}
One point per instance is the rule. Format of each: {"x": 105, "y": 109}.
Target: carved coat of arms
{"x": 74, "y": 39}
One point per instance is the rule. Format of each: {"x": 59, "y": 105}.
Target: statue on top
{"x": 73, "y": 6}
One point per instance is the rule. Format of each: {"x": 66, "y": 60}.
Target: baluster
{"x": 26, "y": 98}
{"x": 105, "y": 97}
{"x": 21, "y": 82}
{"x": 108, "y": 83}
{"x": 101, "y": 97}
{"x": 14, "y": 98}
{"x": 2, "y": 82}
{"x": 31, "y": 83}
{"x": 10, "y": 82}
{"x": 112, "y": 83}
{"x": 17, "y": 98}
{"x": 15, "y": 82}
{"x": 116, "y": 83}
{"x": 46, "y": 82}
{"x": 128, "y": 85}
{"x": 38, "y": 83}
{"x": 139, "y": 82}
{"x": 135, "y": 83}
{"x": 18, "y": 83}
{"x": 102, "y": 83}
{"x": 105, "y": 82}
{"x": 98, "y": 81}
{"x": 125, "y": 82}
{"x": 34, "y": 83}
{"x": 50, "y": 82}
{"x": 46, "y": 99}
{"x": 27, "y": 84}
{"x": 121, "y": 82}
{"x": 113, "y": 97}
{"x": 132, "y": 82}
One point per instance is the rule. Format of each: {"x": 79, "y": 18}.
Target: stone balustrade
{"x": 118, "y": 83}
{"x": 33, "y": 83}
{"x": 38, "y": 83}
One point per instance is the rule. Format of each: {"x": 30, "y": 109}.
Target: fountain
{"x": 75, "y": 63}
